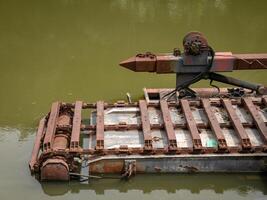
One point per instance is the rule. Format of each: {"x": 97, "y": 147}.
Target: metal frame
{"x": 191, "y": 124}
{"x": 215, "y": 126}
{"x": 146, "y": 127}
{"x": 236, "y": 123}
{"x": 51, "y": 126}
{"x": 100, "y": 125}
{"x": 168, "y": 125}
{"x": 76, "y": 126}
{"x": 48, "y": 128}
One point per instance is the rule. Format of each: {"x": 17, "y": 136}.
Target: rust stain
{"x": 157, "y": 169}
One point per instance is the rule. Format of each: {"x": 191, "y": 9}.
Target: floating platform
{"x": 209, "y": 133}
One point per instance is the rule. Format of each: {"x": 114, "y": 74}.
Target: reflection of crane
{"x": 198, "y": 61}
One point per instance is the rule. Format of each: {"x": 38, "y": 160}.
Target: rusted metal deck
{"x": 152, "y": 135}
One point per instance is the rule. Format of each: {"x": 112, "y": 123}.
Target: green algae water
{"x": 70, "y": 49}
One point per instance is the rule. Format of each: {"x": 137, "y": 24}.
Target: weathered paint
{"x": 184, "y": 136}
{"x": 182, "y": 163}
{"x": 168, "y": 63}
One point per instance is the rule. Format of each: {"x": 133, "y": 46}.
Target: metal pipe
{"x": 233, "y": 81}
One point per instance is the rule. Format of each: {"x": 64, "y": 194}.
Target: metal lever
{"x": 236, "y": 82}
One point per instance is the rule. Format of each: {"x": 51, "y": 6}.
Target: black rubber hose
{"x": 193, "y": 80}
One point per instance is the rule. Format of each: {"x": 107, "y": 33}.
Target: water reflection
{"x": 175, "y": 10}
{"x": 19, "y": 133}
{"x": 193, "y": 183}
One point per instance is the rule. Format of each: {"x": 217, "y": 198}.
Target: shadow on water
{"x": 170, "y": 183}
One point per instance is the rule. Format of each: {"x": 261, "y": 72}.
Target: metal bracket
{"x": 129, "y": 168}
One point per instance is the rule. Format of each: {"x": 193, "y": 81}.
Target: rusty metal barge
{"x": 178, "y": 130}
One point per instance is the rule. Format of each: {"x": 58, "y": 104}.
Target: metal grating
{"x": 210, "y": 125}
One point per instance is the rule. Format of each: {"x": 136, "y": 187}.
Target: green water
{"x": 70, "y": 49}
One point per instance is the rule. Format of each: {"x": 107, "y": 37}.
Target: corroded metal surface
{"x": 223, "y": 61}
{"x": 183, "y": 164}
{"x": 51, "y": 126}
{"x": 198, "y": 61}
{"x": 76, "y": 125}
{"x": 257, "y": 118}
{"x": 100, "y": 125}
{"x": 145, "y": 124}
{"x": 214, "y": 124}
{"x": 37, "y": 144}
{"x": 55, "y": 169}
{"x": 168, "y": 63}
{"x": 168, "y": 125}
{"x": 239, "y": 129}
{"x": 224, "y": 127}
{"x": 191, "y": 124}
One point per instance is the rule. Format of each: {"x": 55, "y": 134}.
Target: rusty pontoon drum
{"x": 176, "y": 130}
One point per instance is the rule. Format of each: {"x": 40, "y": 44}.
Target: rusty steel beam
{"x": 166, "y": 63}
{"x": 215, "y": 126}
{"x": 241, "y": 132}
{"x": 100, "y": 125}
{"x": 117, "y": 127}
{"x": 145, "y": 124}
{"x": 196, "y": 102}
{"x": 37, "y": 144}
{"x": 51, "y": 126}
{"x": 76, "y": 125}
{"x": 168, "y": 125}
{"x": 191, "y": 124}
{"x": 256, "y": 118}
{"x": 250, "y": 61}
{"x": 202, "y": 92}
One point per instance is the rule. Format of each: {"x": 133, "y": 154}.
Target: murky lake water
{"x": 70, "y": 49}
